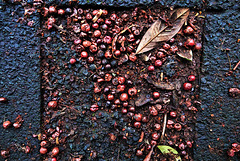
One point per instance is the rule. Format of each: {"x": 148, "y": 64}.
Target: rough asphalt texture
{"x": 20, "y": 80}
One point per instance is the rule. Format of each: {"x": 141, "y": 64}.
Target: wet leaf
{"x": 160, "y": 31}
{"x": 186, "y": 54}
{"x": 167, "y": 150}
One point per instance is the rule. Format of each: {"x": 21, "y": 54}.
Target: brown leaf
{"x": 160, "y": 31}
{"x": 186, "y": 54}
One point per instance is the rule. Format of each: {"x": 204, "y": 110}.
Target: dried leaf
{"x": 160, "y": 31}
{"x": 170, "y": 151}
{"x": 186, "y": 54}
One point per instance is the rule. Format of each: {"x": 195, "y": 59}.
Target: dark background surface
{"x": 218, "y": 121}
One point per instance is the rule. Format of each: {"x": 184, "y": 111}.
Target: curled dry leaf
{"x": 186, "y": 54}
{"x": 160, "y": 31}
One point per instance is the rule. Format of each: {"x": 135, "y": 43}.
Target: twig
{"x": 236, "y": 65}
{"x": 164, "y": 126}
{"x": 118, "y": 154}
{"x": 229, "y": 61}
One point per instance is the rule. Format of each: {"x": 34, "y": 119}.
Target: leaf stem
{"x": 164, "y": 126}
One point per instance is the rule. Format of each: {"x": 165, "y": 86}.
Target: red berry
{"x": 55, "y": 151}
{"x": 94, "y": 108}
{"x": 138, "y": 117}
{"x": 132, "y": 91}
{"x": 124, "y": 111}
{"x": 198, "y": 46}
{"x": 108, "y": 77}
{"x": 153, "y": 142}
{"x": 84, "y": 54}
{"x": 151, "y": 68}
{"x": 108, "y": 22}
{"x": 113, "y": 17}
{"x": 93, "y": 48}
{"x": 157, "y": 127}
{"x": 153, "y": 111}
{"x": 121, "y": 88}
{"x": 72, "y": 61}
{"x": 131, "y": 109}
{"x": 61, "y": 12}
{"x": 132, "y": 57}
{"x": 43, "y": 143}
{"x": 191, "y": 78}
{"x": 125, "y": 104}
{"x": 137, "y": 124}
{"x": 117, "y": 53}
{"x": 110, "y": 97}
{"x": 52, "y": 9}
{"x": 85, "y": 27}
{"x": 95, "y": 12}
{"x": 166, "y": 46}
{"x": 173, "y": 114}
{"x": 108, "y": 54}
{"x": 107, "y": 39}
{"x": 104, "y": 12}
{"x": 121, "y": 80}
{"x": 124, "y": 97}
{"x": 161, "y": 55}
{"x": 156, "y": 94}
{"x": 88, "y": 16}
{"x": 95, "y": 25}
{"x": 17, "y": 125}
{"x": 54, "y": 159}
{"x": 86, "y": 43}
{"x": 189, "y": 43}
{"x": 189, "y": 144}
{"x": 139, "y": 153}
{"x": 6, "y": 124}
{"x": 77, "y": 41}
{"x": 43, "y": 150}
{"x": 52, "y": 104}
{"x": 155, "y": 136}
{"x": 178, "y": 126}
{"x": 231, "y": 153}
{"x": 189, "y": 30}
{"x": 158, "y": 63}
{"x": 181, "y": 146}
{"x": 97, "y": 33}
{"x": 90, "y": 59}
{"x": 3, "y": 99}
{"x": 187, "y": 86}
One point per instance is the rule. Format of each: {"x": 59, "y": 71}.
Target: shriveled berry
{"x": 84, "y": 54}
{"x": 132, "y": 91}
{"x": 93, "y": 48}
{"x": 55, "y": 151}
{"x": 113, "y": 17}
{"x": 124, "y": 97}
{"x": 157, "y": 127}
{"x": 139, "y": 153}
{"x": 191, "y": 78}
{"x": 121, "y": 80}
{"x": 86, "y": 43}
{"x": 108, "y": 55}
{"x": 132, "y": 57}
{"x": 107, "y": 39}
{"x": 161, "y": 55}
{"x": 181, "y": 146}
{"x": 88, "y": 16}
{"x": 187, "y": 86}
{"x": 231, "y": 153}
{"x": 121, "y": 87}
{"x": 151, "y": 68}
{"x": 156, "y": 95}
{"x": 95, "y": 25}
{"x": 145, "y": 119}
{"x": 6, "y": 124}
{"x": 137, "y": 124}
{"x": 5, "y": 153}
{"x": 153, "y": 111}
{"x": 52, "y": 104}
{"x": 43, "y": 150}
{"x": 17, "y": 125}
{"x": 77, "y": 41}
{"x": 178, "y": 126}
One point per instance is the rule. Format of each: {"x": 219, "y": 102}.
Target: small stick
{"x": 229, "y": 61}
{"x": 236, "y": 65}
{"x": 164, "y": 126}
